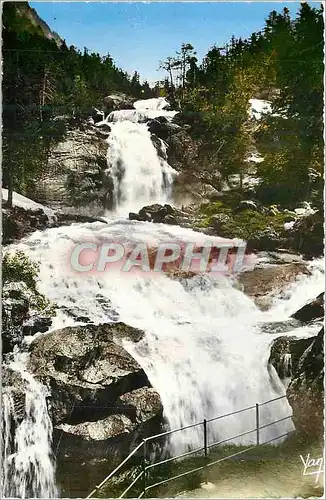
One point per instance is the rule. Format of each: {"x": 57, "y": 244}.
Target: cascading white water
{"x": 139, "y": 175}
{"x": 27, "y": 467}
{"x": 147, "y": 109}
{"x": 203, "y": 350}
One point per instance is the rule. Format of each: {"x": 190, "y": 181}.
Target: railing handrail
{"x": 98, "y": 487}
{"x": 206, "y": 447}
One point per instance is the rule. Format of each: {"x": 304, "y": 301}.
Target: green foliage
{"x": 43, "y": 78}
{"x": 17, "y": 268}
{"x": 284, "y": 64}
{"x": 248, "y": 223}
{"x": 244, "y": 224}
{"x": 214, "y": 208}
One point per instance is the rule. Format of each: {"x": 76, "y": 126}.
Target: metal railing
{"x": 205, "y": 448}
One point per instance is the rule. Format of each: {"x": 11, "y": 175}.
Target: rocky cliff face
{"x": 29, "y": 20}
{"x": 100, "y": 401}
{"x": 306, "y": 390}
{"x": 75, "y": 177}
{"x": 89, "y": 372}
{"x": 300, "y": 364}
{"x": 100, "y": 397}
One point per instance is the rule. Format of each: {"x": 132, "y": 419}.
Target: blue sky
{"x": 138, "y": 35}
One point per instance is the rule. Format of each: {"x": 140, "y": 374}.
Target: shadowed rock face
{"x": 312, "y": 310}
{"x": 262, "y": 283}
{"x": 87, "y": 370}
{"x": 306, "y": 390}
{"x": 100, "y": 401}
{"x": 18, "y": 222}
{"x": 305, "y": 374}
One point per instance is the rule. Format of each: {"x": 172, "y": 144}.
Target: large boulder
{"x": 160, "y": 146}
{"x": 263, "y": 283}
{"x": 101, "y": 401}
{"x": 86, "y": 369}
{"x": 163, "y": 128}
{"x": 307, "y": 234}
{"x": 300, "y": 364}
{"x": 98, "y": 390}
{"x": 183, "y": 151}
{"x": 119, "y": 101}
{"x": 306, "y": 390}
{"x": 285, "y": 355}
{"x": 156, "y": 213}
{"x": 313, "y": 310}
{"x": 18, "y": 222}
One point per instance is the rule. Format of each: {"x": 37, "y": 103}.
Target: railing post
{"x": 205, "y": 437}
{"x": 144, "y": 468}
{"x": 257, "y": 423}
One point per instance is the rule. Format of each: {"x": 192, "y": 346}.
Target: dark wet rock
{"x": 157, "y": 213}
{"x": 170, "y": 219}
{"x": 162, "y": 128}
{"x": 160, "y": 146}
{"x": 15, "y": 312}
{"x": 104, "y": 127}
{"x": 306, "y": 390}
{"x": 312, "y": 310}
{"x": 14, "y": 386}
{"x": 300, "y": 363}
{"x": 18, "y": 223}
{"x": 37, "y": 324}
{"x": 307, "y": 235}
{"x": 97, "y": 115}
{"x": 286, "y": 353}
{"x": 144, "y": 215}
{"x": 83, "y": 319}
{"x": 155, "y": 127}
{"x": 133, "y": 216}
{"x": 119, "y": 101}
{"x": 66, "y": 219}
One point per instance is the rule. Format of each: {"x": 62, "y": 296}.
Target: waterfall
{"x": 203, "y": 350}
{"x": 140, "y": 175}
{"x": 27, "y": 467}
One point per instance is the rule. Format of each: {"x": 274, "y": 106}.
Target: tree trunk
{"x": 241, "y": 179}
{"x": 10, "y": 192}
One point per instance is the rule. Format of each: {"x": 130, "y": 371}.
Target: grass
{"x": 265, "y": 462}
